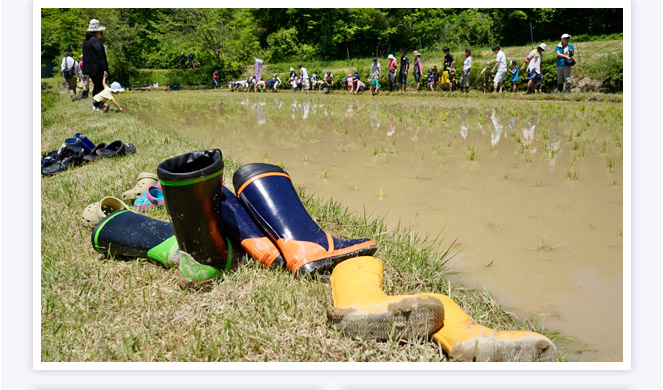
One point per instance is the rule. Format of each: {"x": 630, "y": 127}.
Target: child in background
{"x": 486, "y": 72}
{"x": 431, "y": 79}
{"x": 537, "y": 80}
{"x": 444, "y": 81}
{"x": 108, "y": 94}
{"x": 294, "y": 82}
{"x": 514, "y": 76}
{"x": 452, "y": 79}
{"x": 375, "y": 85}
{"x": 436, "y": 78}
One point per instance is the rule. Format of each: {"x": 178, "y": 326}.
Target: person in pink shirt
{"x": 391, "y": 73}
{"x": 86, "y": 80}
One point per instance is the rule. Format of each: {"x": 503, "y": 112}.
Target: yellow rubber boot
{"x": 362, "y": 309}
{"x": 465, "y": 340}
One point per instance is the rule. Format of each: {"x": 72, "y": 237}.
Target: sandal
{"x": 67, "y": 157}
{"x": 116, "y": 148}
{"x": 153, "y": 198}
{"x": 93, "y": 156}
{"x": 97, "y": 211}
{"x": 145, "y": 181}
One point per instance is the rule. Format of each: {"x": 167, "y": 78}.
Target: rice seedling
{"x": 572, "y": 174}
{"x": 471, "y": 153}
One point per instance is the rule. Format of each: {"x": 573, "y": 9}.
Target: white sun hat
{"x": 565, "y": 36}
{"x": 116, "y": 87}
{"x": 95, "y": 26}
{"x": 391, "y": 57}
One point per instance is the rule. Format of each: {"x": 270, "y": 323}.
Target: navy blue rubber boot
{"x": 270, "y": 198}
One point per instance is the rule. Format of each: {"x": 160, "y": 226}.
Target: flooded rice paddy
{"x": 532, "y": 191}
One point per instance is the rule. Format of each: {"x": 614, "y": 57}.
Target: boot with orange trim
{"x": 241, "y": 228}
{"x": 362, "y": 309}
{"x": 465, "y": 340}
{"x": 269, "y": 196}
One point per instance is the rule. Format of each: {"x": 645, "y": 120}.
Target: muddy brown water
{"x": 532, "y": 191}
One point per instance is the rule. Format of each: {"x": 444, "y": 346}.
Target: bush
{"x": 610, "y": 71}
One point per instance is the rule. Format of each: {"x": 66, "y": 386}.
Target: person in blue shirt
{"x": 514, "y": 76}
{"x": 564, "y": 51}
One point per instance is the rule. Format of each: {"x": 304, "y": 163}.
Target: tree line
{"x": 229, "y": 39}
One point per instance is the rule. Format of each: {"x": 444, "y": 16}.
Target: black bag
{"x": 569, "y": 61}
{"x": 71, "y": 72}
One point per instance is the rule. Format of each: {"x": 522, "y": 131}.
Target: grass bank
{"x": 98, "y": 309}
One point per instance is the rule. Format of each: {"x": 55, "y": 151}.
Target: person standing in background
{"x": 85, "y": 82}
{"x": 418, "y": 68}
{"x": 405, "y": 67}
{"x": 564, "y": 51}
{"x": 96, "y": 63}
{"x": 500, "y": 69}
{"x": 467, "y": 71}
{"x": 533, "y": 61}
{"x": 391, "y": 73}
{"x": 71, "y": 73}
{"x": 215, "y": 79}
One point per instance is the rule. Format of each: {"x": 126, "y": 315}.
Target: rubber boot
{"x": 191, "y": 185}
{"x": 128, "y": 234}
{"x": 270, "y": 198}
{"x": 465, "y": 340}
{"x": 362, "y": 309}
{"x": 240, "y": 228}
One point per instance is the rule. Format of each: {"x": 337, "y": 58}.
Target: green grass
{"x": 99, "y": 309}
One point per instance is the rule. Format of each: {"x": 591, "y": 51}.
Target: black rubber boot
{"x": 192, "y": 191}
{"x": 269, "y": 196}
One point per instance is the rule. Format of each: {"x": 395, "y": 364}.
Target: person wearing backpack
{"x": 94, "y": 53}
{"x": 71, "y": 73}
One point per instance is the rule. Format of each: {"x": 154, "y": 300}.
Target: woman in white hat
{"x": 96, "y": 64}
{"x": 564, "y": 51}
{"x": 391, "y": 73}
{"x": 533, "y": 61}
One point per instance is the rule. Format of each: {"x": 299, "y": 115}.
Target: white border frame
{"x": 575, "y": 366}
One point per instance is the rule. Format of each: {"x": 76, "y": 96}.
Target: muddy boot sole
{"x": 405, "y": 319}
{"x": 527, "y": 348}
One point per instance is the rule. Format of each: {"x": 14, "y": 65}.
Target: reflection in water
{"x": 497, "y": 129}
{"x": 375, "y": 118}
{"x": 512, "y": 207}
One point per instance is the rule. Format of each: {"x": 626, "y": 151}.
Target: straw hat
{"x": 542, "y": 46}
{"x": 416, "y": 53}
{"x": 95, "y": 26}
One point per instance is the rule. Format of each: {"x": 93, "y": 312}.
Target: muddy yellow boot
{"x": 465, "y": 340}
{"x": 362, "y": 309}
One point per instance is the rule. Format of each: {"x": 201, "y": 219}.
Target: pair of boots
{"x": 211, "y": 227}
{"x": 362, "y": 309}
